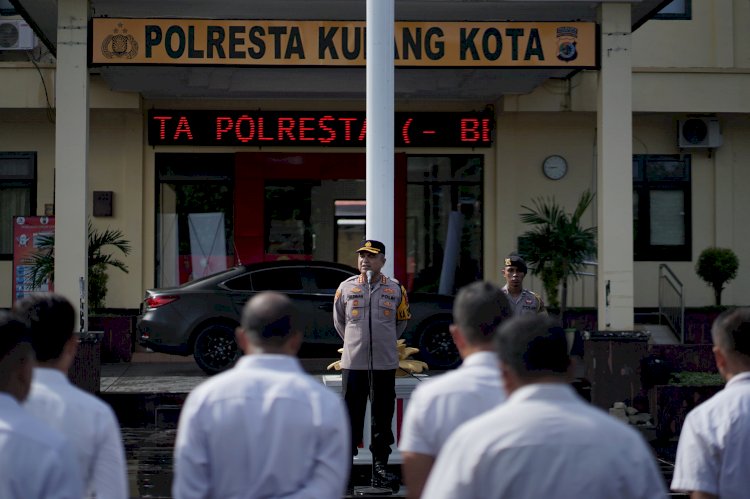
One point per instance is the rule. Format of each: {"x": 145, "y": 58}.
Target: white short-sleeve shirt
{"x": 36, "y": 462}
{"x": 545, "y": 441}
{"x": 713, "y": 454}
{"x": 90, "y": 425}
{"x": 441, "y": 404}
{"x": 262, "y": 429}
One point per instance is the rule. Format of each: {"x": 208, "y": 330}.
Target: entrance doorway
{"x": 307, "y": 206}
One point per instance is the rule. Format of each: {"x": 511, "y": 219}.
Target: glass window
{"x": 241, "y": 283}
{"x": 279, "y": 279}
{"x": 17, "y": 194}
{"x": 194, "y": 216}
{"x": 661, "y": 208}
{"x": 444, "y": 222}
{"x": 287, "y": 218}
{"x": 328, "y": 280}
{"x": 676, "y": 9}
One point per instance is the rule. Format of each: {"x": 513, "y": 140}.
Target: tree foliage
{"x": 717, "y": 266}
{"x": 556, "y": 246}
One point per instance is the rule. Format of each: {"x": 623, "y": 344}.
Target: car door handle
{"x": 328, "y": 307}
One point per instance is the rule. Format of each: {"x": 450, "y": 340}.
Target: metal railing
{"x": 581, "y": 291}
{"x": 671, "y": 301}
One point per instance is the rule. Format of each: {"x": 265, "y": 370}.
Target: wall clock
{"x": 555, "y": 167}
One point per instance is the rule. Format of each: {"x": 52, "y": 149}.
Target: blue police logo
{"x": 567, "y": 39}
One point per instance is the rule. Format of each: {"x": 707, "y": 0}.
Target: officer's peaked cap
{"x": 372, "y": 246}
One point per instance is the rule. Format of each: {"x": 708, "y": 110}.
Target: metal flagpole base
{"x": 372, "y": 491}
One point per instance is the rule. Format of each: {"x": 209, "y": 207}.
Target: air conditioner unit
{"x": 699, "y": 132}
{"x": 16, "y": 35}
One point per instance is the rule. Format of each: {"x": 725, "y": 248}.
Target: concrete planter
{"x": 117, "y": 338}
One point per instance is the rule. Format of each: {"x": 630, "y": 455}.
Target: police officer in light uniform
{"x": 522, "y": 301}
{"x": 376, "y": 314}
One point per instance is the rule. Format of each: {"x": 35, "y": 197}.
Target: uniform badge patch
{"x": 387, "y": 313}
{"x": 355, "y": 313}
{"x": 389, "y": 291}
{"x": 356, "y": 289}
{"x": 355, "y": 303}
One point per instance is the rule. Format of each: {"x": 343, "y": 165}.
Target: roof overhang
{"x": 211, "y": 82}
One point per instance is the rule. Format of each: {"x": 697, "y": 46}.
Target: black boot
{"x": 384, "y": 479}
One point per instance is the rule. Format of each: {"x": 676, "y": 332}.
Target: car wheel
{"x": 215, "y": 349}
{"x": 436, "y": 345}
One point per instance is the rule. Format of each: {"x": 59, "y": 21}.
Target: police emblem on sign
{"x": 567, "y": 39}
{"x": 119, "y": 44}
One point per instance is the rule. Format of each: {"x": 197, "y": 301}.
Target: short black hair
{"x": 533, "y": 346}
{"x": 479, "y": 309}
{"x": 269, "y": 318}
{"x": 51, "y": 320}
{"x": 13, "y": 332}
{"x": 731, "y": 331}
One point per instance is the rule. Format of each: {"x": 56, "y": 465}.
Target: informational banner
{"x": 314, "y": 128}
{"x": 27, "y": 232}
{"x": 437, "y": 44}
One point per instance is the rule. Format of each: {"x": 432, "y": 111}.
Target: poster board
{"x": 27, "y": 232}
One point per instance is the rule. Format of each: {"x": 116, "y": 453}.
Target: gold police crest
{"x": 567, "y": 39}
{"x": 120, "y": 44}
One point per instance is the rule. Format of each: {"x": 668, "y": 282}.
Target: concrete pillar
{"x": 380, "y": 108}
{"x": 71, "y": 153}
{"x": 614, "y": 170}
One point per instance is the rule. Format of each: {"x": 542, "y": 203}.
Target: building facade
{"x": 277, "y": 184}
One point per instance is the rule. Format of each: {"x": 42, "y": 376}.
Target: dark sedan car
{"x": 200, "y": 317}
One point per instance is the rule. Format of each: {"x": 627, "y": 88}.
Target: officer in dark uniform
{"x": 522, "y": 301}
{"x": 370, "y": 317}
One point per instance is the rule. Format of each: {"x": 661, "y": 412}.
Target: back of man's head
{"x": 731, "y": 333}
{"x": 269, "y": 319}
{"x": 533, "y": 347}
{"x": 16, "y": 357}
{"x": 478, "y": 310}
{"x": 51, "y": 320}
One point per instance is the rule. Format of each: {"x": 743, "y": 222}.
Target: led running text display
{"x": 299, "y": 128}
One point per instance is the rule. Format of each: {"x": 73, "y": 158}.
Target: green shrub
{"x": 717, "y": 266}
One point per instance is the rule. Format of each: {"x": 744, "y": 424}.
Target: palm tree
{"x": 42, "y": 263}
{"x": 557, "y": 246}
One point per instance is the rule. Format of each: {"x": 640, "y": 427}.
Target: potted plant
{"x": 42, "y": 263}
{"x": 116, "y": 342}
{"x": 557, "y": 245}
{"x": 717, "y": 266}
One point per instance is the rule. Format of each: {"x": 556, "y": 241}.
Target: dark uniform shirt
{"x": 527, "y": 302}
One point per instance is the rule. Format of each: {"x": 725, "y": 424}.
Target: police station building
{"x": 212, "y": 133}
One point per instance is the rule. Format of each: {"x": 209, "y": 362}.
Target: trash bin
{"x": 612, "y": 363}
{"x": 86, "y": 371}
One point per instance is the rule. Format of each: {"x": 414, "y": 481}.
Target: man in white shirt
{"x": 713, "y": 454}
{"x": 264, "y": 428}
{"x": 36, "y": 462}
{"x": 89, "y": 423}
{"x": 544, "y": 440}
{"x": 439, "y": 405}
